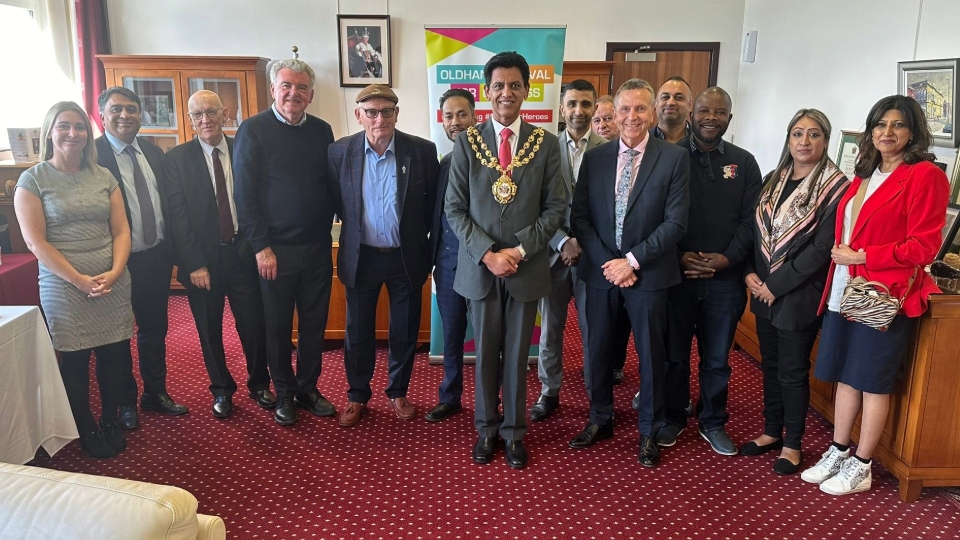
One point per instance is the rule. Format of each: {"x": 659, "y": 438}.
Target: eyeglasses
{"x": 386, "y": 113}
{"x": 209, "y": 113}
{"x": 705, "y": 163}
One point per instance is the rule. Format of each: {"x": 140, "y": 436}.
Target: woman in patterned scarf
{"x": 793, "y": 233}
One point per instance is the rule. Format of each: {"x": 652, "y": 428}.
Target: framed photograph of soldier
{"x": 364, "y": 42}
{"x": 933, "y": 83}
{"x": 847, "y": 151}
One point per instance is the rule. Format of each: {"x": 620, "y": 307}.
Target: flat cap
{"x": 377, "y": 91}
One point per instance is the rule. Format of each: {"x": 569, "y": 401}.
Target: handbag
{"x": 870, "y": 302}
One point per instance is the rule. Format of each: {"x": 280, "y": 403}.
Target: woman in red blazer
{"x": 897, "y": 232}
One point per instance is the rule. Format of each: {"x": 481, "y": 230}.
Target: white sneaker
{"x": 827, "y": 467}
{"x": 854, "y": 477}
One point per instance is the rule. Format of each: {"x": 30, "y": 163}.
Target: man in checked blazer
{"x": 213, "y": 260}
{"x": 503, "y": 267}
{"x": 387, "y": 186}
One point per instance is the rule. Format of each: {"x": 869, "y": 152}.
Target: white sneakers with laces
{"x": 854, "y": 477}
{"x": 827, "y": 467}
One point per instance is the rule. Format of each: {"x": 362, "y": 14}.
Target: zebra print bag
{"x": 870, "y": 302}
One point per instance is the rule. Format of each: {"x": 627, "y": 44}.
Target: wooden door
{"x": 697, "y": 63}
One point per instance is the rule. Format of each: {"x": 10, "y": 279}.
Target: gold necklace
{"x": 504, "y": 189}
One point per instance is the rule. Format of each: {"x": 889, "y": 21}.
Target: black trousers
{"x": 374, "y": 270}
{"x": 150, "y": 272}
{"x": 112, "y": 361}
{"x": 786, "y": 380}
{"x": 238, "y": 280}
{"x": 303, "y": 282}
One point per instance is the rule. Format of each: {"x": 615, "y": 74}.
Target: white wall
{"x": 269, "y": 28}
{"x": 836, "y": 56}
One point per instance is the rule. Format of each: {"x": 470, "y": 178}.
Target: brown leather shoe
{"x": 351, "y": 415}
{"x": 404, "y": 409}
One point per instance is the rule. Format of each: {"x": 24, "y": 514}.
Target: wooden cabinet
{"x": 165, "y": 84}
{"x": 598, "y": 73}
{"x": 919, "y": 444}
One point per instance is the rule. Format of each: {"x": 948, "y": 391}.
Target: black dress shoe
{"x": 785, "y": 466}
{"x": 286, "y": 413}
{"x": 314, "y": 402}
{"x": 753, "y": 449}
{"x": 649, "y": 452}
{"x": 544, "y": 407}
{"x": 484, "y": 449}
{"x": 113, "y": 436}
{"x": 161, "y": 403}
{"x": 95, "y": 445}
{"x": 442, "y": 412}
{"x": 516, "y": 454}
{"x": 617, "y": 376}
{"x": 591, "y": 434}
{"x": 128, "y": 417}
{"x": 264, "y": 398}
{"x": 222, "y": 406}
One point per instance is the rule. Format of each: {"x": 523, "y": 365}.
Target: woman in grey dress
{"x": 72, "y": 217}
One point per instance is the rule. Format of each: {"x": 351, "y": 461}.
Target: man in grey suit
{"x": 629, "y": 211}
{"x": 576, "y": 105}
{"x": 504, "y": 208}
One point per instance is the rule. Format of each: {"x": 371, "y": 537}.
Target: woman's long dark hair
{"x": 786, "y": 158}
{"x": 915, "y": 151}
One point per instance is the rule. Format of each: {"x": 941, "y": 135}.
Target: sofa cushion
{"x": 43, "y": 503}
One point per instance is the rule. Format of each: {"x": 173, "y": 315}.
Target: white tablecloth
{"x": 34, "y": 410}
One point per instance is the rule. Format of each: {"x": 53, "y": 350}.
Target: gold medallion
{"x": 504, "y": 189}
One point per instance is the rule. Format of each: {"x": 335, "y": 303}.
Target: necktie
{"x": 223, "y": 199}
{"x": 506, "y": 154}
{"x": 147, "y": 214}
{"x": 623, "y": 192}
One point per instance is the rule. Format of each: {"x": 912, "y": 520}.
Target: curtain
{"x": 93, "y": 38}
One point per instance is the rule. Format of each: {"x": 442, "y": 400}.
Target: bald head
{"x": 207, "y": 115}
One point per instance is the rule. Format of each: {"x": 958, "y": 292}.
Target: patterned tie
{"x": 506, "y": 154}
{"x": 623, "y": 192}
{"x": 223, "y": 200}
{"x": 147, "y": 214}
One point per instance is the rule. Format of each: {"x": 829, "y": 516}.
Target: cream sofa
{"x": 43, "y": 503}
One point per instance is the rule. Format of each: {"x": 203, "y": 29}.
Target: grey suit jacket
{"x": 566, "y": 169}
{"x": 482, "y": 224}
{"x": 655, "y": 221}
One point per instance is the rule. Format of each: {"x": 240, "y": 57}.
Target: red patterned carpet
{"x": 388, "y": 478}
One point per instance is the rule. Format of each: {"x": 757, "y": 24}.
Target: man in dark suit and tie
{"x": 137, "y": 165}
{"x": 504, "y": 202}
{"x": 629, "y": 211}
{"x": 213, "y": 261}
{"x": 387, "y": 182}
{"x": 457, "y": 111}
{"x": 577, "y": 106}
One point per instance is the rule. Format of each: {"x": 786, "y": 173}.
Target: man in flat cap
{"x": 387, "y": 182}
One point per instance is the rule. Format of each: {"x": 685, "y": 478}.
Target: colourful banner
{"x": 455, "y": 59}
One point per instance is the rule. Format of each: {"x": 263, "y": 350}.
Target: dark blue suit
{"x": 453, "y": 307}
{"x": 365, "y": 270}
{"x": 655, "y": 220}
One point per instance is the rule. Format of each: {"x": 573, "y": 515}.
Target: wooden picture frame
{"x": 364, "y": 44}
{"x": 950, "y": 230}
{"x": 933, "y": 83}
{"x": 848, "y": 149}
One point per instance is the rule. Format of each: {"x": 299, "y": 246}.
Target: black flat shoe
{"x": 128, "y": 418}
{"x": 113, "y": 436}
{"x": 264, "y": 398}
{"x": 516, "y": 454}
{"x": 544, "y": 407}
{"x": 286, "y": 414}
{"x": 753, "y": 449}
{"x": 649, "y": 455}
{"x": 442, "y": 412}
{"x": 591, "y": 434}
{"x": 222, "y": 406}
{"x": 484, "y": 449}
{"x": 96, "y": 446}
{"x": 161, "y": 403}
{"x": 784, "y": 466}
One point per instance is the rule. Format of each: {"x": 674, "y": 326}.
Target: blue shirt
{"x": 381, "y": 215}
{"x": 125, "y": 166}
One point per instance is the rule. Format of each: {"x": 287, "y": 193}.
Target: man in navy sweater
{"x": 285, "y": 210}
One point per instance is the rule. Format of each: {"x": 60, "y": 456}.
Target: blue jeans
{"x": 709, "y": 309}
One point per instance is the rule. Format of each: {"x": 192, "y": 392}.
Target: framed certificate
{"x": 847, "y": 152}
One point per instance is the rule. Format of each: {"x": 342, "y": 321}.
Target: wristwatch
{"x": 523, "y": 252}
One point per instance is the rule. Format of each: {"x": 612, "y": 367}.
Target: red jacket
{"x": 900, "y": 227}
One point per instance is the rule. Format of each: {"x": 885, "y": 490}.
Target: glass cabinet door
{"x": 158, "y": 100}
{"x": 165, "y": 142}
{"x": 229, "y": 91}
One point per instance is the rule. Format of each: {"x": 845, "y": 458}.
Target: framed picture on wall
{"x": 933, "y": 83}
{"x": 847, "y": 152}
{"x": 364, "y": 42}
{"x": 950, "y": 230}
{"x": 955, "y": 181}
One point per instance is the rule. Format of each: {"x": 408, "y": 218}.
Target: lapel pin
{"x": 403, "y": 169}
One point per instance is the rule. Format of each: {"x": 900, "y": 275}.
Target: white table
{"x": 34, "y": 410}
